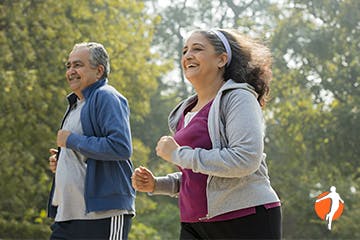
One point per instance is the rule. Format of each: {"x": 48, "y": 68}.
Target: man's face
{"x": 80, "y": 73}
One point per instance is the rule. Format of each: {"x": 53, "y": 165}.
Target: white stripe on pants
{"x": 116, "y": 227}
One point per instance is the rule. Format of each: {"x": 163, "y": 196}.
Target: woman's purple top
{"x": 192, "y": 196}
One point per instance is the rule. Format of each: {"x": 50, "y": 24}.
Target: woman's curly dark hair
{"x": 251, "y": 61}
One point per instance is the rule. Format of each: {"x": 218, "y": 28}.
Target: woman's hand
{"x": 143, "y": 180}
{"x": 165, "y": 147}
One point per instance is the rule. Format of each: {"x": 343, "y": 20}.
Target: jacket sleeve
{"x": 110, "y": 124}
{"x": 242, "y": 135}
{"x": 168, "y": 185}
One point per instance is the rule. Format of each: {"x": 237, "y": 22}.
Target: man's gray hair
{"x": 98, "y": 55}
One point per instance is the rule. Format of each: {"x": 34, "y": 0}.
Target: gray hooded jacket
{"x": 236, "y": 168}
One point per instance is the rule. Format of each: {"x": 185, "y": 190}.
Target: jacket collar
{"x": 88, "y": 90}
{"x": 230, "y": 84}
{"x": 72, "y": 97}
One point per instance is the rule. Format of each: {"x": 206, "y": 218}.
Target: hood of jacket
{"x": 229, "y": 85}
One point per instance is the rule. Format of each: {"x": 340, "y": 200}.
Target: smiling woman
{"x": 223, "y": 184}
{"x": 201, "y": 63}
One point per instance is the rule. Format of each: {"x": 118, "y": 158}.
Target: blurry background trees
{"x": 312, "y": 118}
{"x": 36, "y": 37}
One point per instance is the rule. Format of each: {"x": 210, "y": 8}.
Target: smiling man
{"x": 91, "y": 196}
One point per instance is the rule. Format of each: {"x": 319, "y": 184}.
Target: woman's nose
{"x": 188, "y": 55}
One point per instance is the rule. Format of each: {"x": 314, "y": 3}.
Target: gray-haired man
{"x": 92, "y": 196}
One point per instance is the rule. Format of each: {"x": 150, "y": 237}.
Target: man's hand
{"x": 53, "y": 160}
{"x": 62, "y": 136}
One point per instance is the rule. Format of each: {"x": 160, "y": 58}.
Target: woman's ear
{"x": 222, "y": 60}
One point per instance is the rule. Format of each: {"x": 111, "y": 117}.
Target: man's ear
{"x": 222, "y": 60}
{"x": 100, "y": 71}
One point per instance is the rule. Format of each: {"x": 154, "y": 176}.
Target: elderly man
{"x": 92, "y": 196}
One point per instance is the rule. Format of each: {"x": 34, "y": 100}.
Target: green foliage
{"x": 36, "y": 37}
{"x": 12, "y": 229}
{"x": 312, "y": 119}
{"x": 162, "y": 216}
{"x": 142, "y": 231}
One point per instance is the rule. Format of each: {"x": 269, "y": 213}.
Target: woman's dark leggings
{"x": 264, "y": 224}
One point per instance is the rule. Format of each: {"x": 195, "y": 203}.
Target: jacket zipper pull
{"x": 204, "y": 218}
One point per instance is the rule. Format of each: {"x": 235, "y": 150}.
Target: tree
{"x": 313, "y": 131}
{"x": 36, "y": 37}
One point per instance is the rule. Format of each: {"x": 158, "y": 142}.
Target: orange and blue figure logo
{"x": 329, "y": 206}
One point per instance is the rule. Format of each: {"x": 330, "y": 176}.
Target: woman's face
{"x": 199, "y": 60}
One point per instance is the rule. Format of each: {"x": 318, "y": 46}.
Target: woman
{"x": 223, "y": 185}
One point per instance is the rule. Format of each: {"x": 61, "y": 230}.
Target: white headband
{"x": 225, "y": 43}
